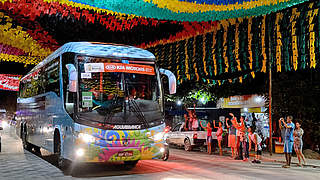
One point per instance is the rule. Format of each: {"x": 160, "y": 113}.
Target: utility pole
{"x": 270, "y": 93}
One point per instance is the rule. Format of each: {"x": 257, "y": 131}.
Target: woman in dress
{"x": 219, "y": 135}
{"x": 298, "y": 143}
{"x": 209, "y": 135}
{"x": 232, "y": 134}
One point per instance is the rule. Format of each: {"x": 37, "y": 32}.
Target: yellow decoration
{"x": 187, "y": 7}
{"x": 252, "y": 74}
{"x": 225, "y": 25}
{"x": 186, "y": 63}
{"x": 294, "y": 41}
{"x": 263, "y": 44}
{"x": 279, "y": 44}
{"x": 204, "y": 53}
{"x": 236, "y": 50}
{"x": 84, "y": 6}
{"x": 170, "y": 57}
{"x": 177, "y": 62}
{"x": 20, "y": 39}
{"x": 311, "y": 15}
{"x": 194, "y": 59}
{"x": 20, "y": 59}
{"x": 250, "y": 41}
{"x": 240, "y": 79}
{"x": 214, "y": 33}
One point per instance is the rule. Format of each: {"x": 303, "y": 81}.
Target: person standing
{"x": 256, "y": 139}
{"x": 298, "y": 143}
{"x": 282, "y": 130}
{"x": 288, "y": 140}
{"x": 209, "y": 135}
{"x": 244, "y": 146}
{"x": 219, "y": 135}
{"x": 232, "y": 134}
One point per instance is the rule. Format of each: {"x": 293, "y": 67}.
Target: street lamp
{"x": 202, "y": 100}
{"x": 179, "y": 102}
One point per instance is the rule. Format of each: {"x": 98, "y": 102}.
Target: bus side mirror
{"x": 172, "y": 80}
{"x": 70, "y": 108}
{"x": 73, "y": 77}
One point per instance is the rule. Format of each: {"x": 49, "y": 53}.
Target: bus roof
{"x": 101, "y": 50}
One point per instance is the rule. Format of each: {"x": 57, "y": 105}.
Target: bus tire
{"x": 59, "y": 160}
{"x": 26, "y": 145}
{"x": 130, "y": 164}
{"x": 187, "y": 145}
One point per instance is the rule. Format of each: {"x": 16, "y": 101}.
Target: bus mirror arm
{"x": 172, "y": 80}
{"x": 73, "y": 77}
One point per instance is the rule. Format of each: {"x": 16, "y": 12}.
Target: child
{"x": 219, "y": 135}
{"x": 256, "y": 139}
{"x": 243, "y": 140}
{"x": 209, "y": 135}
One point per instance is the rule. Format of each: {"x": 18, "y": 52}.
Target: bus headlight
{"x": 158, "y": 136}
{"x": 162, "y": 150}
{"x": 86, "y": 138}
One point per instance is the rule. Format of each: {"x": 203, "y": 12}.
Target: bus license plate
{"x": 125, "y": 154}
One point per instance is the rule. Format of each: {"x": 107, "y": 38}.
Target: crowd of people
{"x": 241, "y": 138}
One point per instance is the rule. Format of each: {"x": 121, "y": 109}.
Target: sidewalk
{"x": 281, "y": 158}
{"x": 16, "y": 163}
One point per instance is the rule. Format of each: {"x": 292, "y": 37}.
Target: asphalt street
{"x": 16, "y": 163}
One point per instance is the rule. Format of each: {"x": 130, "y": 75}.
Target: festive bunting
{"x": 9, "y": 82}
{"x": 237, "y": 46}
{"x": 190, "y": 11}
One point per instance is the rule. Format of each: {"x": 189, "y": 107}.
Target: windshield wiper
{"x": 134, "y": 107}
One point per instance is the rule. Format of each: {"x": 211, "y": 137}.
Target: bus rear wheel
{"x": 25, "y": 143}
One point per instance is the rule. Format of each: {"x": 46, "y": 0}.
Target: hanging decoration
{"x": 181, "y": 10}
{"x": 294, "y": 42}
{"x": 240, "y": 48}
{"x": 263, "y": 45}
{"x": 9, "y": 82}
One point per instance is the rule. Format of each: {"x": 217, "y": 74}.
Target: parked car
{"x": 188, "y": 139}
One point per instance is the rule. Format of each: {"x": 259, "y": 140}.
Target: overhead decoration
{"x": 242, "y": 47}
{"x": 9, "y": 82}
{"x": 180, "y": 10}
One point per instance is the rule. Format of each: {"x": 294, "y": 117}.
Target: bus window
{"x": 52, "y": 82}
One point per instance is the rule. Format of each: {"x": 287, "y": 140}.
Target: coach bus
{"x": 94, "y": 102}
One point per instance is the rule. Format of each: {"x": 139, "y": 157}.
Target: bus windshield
{"x": 115, "y": 92}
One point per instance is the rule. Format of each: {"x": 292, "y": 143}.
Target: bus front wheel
{"x": 59, "y": 160}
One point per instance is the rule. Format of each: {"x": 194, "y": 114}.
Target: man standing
{"x": 288, "y": 140}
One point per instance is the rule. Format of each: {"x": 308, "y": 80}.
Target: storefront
{"x": 252, "y": 108}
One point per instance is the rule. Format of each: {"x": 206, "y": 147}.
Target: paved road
{"x": 16, "y": 163}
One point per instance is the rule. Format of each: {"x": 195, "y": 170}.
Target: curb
{"x": 281, "y": 161}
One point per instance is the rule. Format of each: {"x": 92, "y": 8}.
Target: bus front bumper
{"x": 98, "y": 153}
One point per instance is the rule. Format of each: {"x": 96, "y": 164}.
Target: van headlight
{"x": 158, "y": 136}
{"x": 86, "y": 138}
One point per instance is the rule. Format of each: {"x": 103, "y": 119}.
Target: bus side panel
{"x": 30, "y": 112}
